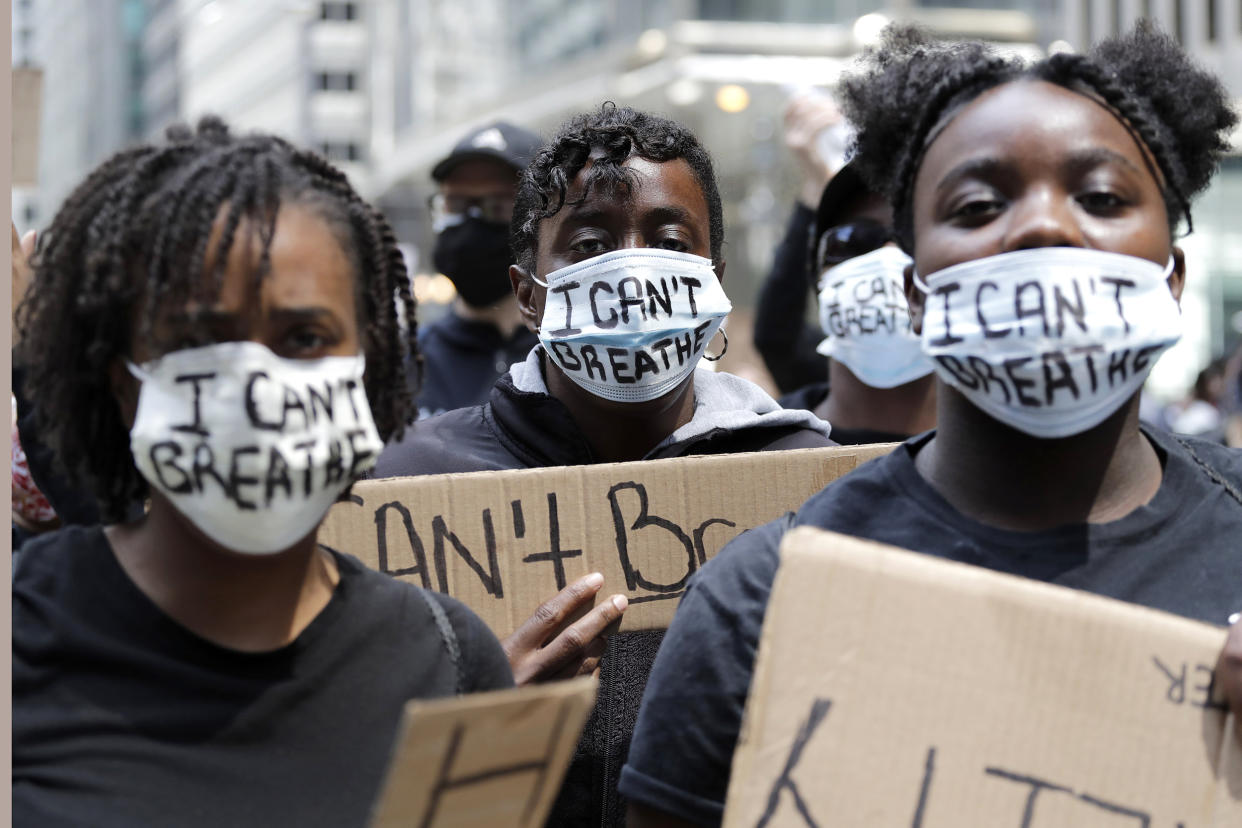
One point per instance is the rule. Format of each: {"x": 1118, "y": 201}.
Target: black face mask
{"x": 475, "y": 256}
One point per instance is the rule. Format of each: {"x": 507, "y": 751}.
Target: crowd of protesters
{"x": 183, "y": 644}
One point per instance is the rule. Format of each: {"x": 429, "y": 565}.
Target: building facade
{"x": 384, "y": 88}
{"x": 88, "y": 107}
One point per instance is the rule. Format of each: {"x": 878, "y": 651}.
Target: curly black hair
{"x": 132, "y": 239}
{"x": 621, "y": 133}
{"x": 910, "y": 85}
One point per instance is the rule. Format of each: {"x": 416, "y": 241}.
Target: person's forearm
{"x": 782, "y": 300}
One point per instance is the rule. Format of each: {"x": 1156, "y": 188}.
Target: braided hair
{"x": 911, "y": 85}
{"x": 133, "y": 238}
{"x": 619, "y": 133}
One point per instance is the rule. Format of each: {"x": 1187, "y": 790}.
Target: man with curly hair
{"x": 618, "y": 234}
{"x": 1039, "y": 203}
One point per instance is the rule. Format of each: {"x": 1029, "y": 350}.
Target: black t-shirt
{"x": 123, "y": 717}
{"x": 1181, "y": 552}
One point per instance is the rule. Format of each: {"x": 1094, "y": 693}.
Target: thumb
{"x": 28, "y": 243}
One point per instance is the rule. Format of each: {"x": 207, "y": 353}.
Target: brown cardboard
{"x": 482, "y": 760}
{"x": 504, "y": 542}
{"x": 27, "y": 110}
{"x": 897, "y": 689}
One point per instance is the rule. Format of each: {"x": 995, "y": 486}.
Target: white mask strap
{"x": 138, "y": 373}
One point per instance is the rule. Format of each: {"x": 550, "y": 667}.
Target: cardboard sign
{"x": 487, "y": 759}
{"x": 27, "y": 110}
{"x": 504, "y": 542}
{"x": 897, "y": 689}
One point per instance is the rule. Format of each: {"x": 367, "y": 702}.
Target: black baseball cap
{"x": 499, "y": 140}
{"x": 842, "y": 191}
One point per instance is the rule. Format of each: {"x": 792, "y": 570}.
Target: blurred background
{"x": 384, "y": 88}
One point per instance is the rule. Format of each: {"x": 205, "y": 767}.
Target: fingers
{"x": 1230, "y": 672}
{"x": 28, "y": 242}
{"x": 552, "y": 613}
{"x": 22, "y": 250}
{"x": 589, "y": 662}
{"x": 577, "y": 650}
{"x": 807, "y": 114}
{"x": 571, "y": 646}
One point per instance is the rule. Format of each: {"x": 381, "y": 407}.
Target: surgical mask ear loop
{"x": 919, "y": 283}
{"x": 136, "y": 372}
{"x": 723, "y": 350}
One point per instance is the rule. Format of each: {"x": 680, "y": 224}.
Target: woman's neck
{"x": 618, "y": 432}
{"x": 252, "y": 603}
{"x": 1004, "y": 478}
{"x": 851, "y": 404}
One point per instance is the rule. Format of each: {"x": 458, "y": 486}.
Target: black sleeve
{"x": 782, "y": 336}
{"x": 692, "y": 709}
{"x": 483, "y": 662}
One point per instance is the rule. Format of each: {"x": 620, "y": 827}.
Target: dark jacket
{"x": 522, "y": 427}
{"x": 810, "y": 396}
{"x": 462, "y": 359}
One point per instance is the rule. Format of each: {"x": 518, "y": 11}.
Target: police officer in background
{"x": 470, "y": 347}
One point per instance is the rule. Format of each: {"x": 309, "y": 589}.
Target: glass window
{"x": 338, "y": 11}
{"x": 336, "y": 81}
{"x": 341, "y": 151}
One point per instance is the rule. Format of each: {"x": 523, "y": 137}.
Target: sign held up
{"x": 503, "y": 542}
{"x": 942, "y": 695}
{"x": 486, "y": 759}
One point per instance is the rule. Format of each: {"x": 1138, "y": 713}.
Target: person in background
{"x": 782, "y": 335}
{"x": 44, "y": 498}
{"x": 212, "y": 331}
{"x": 1038, "y": 465}
{"x": 880, "y": 387}
{"x": 618, "y": 233}
{"x": 32, "y": 514}
{"x": 482, "y": 334}
{"x": 1232, "y": 398}
{"x": 1201, "y": 415}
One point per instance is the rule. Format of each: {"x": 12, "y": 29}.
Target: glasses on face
{"x": 447, "y": 210}
{"x": 845, "y": 241}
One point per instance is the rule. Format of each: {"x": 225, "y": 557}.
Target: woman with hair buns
{"x": 1039, "y": 203}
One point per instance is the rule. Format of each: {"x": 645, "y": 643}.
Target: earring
{"x": 723, "y": 350}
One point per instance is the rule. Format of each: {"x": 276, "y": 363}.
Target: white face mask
{"x": 1053, "y": 340}
{"x": 631, "y": 325}
{"x": 252, "y": 448}
{"x": 863, "y": 310}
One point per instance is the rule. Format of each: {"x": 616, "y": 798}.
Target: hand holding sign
{"x": 577, "y": 649}
{"x": 1230, "y": 671}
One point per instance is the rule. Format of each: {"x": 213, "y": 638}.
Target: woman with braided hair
{"x": 213, "y": 332}
{"x": 1039, "y": 203}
